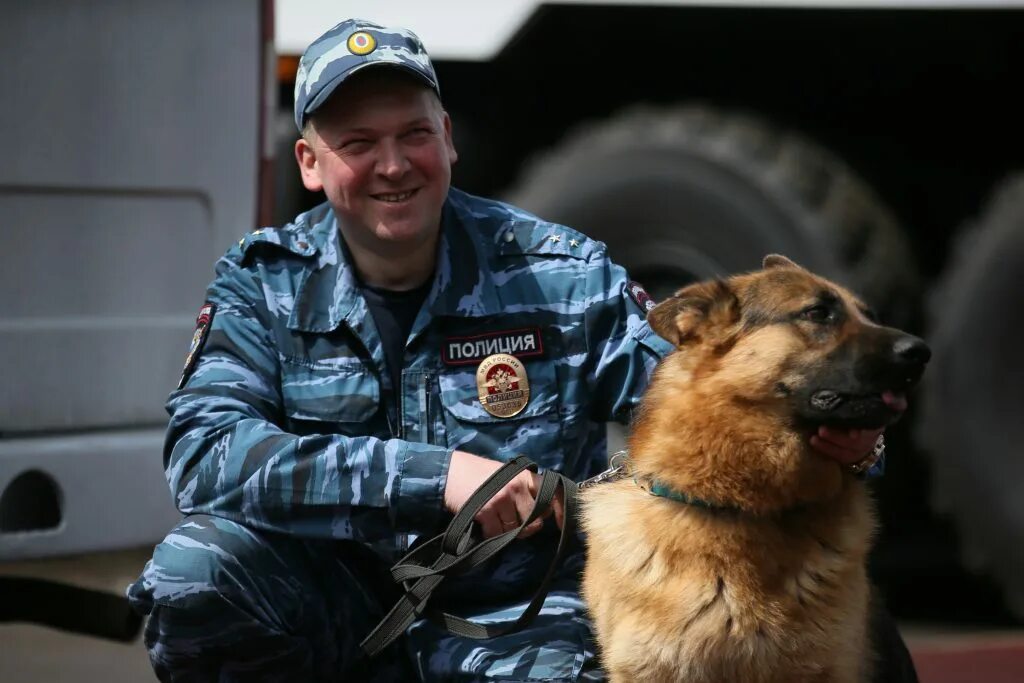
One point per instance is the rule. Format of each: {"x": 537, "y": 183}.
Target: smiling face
{"x": 381, "y": 150}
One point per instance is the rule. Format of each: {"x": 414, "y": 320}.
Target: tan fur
{"x": 773, "y": 590}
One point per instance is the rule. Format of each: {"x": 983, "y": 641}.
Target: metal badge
{"x": 502, "y": 385}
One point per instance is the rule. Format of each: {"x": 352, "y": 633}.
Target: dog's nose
{"x": 911, "y": 350}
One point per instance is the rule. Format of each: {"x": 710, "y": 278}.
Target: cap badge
{"x": 361, "y": 43}
{"x": 502, "y": 385}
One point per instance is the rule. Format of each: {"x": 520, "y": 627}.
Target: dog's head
{"x": 790, "y": 342}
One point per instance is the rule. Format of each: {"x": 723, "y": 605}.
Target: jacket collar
{"x": 328, "y": 292}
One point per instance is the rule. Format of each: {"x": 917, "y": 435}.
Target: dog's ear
{"x": 699, "y": 307}
{"x": 778, "y": 261}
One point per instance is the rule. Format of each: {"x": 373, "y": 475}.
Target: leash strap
{"x": 422, "y": 570}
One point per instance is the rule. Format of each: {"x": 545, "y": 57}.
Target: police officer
{"x": 355, "y": 375}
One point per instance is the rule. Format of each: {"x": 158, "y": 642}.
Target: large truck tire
{"x": 686, "y": 193}
{"x": 971, "y": 422}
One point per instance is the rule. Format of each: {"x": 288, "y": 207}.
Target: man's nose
{"x": 392, "y": 162}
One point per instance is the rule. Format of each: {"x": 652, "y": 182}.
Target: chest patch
{"x": 521, "y": 343}
{"x": 502, "y": 385}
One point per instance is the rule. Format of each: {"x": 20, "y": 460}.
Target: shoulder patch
{"x": 640, "y": 296}
{"x": 203, "y": 322}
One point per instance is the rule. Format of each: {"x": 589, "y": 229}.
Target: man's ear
{"x": 453, "y": 155}
{"x": 700, "y": 311}
{"x": 309, "y": 170}
{"x": 778, "y": 261}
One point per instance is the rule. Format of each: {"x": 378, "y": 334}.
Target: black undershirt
{"x": 394, "y": 314}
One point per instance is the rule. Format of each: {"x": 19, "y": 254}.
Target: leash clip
{"x": 616, "y": 470}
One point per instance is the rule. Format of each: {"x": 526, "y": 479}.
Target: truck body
{"x": 134, "y": 149}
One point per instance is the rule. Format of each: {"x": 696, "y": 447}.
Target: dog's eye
{"x": 817, "y": 314}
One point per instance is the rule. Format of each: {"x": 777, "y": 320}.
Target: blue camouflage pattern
{"x": 328, "y": 61}
{"x": 289, "y": 432}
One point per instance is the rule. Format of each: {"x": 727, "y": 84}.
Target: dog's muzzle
{"x": 871, "y": 391}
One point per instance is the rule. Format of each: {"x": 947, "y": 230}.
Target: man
{"x": 356, "y": 375}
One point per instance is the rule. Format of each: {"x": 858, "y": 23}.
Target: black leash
{"x": 422, "y": 570}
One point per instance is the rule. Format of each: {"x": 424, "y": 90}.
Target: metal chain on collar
{"x": 617, "y": 469}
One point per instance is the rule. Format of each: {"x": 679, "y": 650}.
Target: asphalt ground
{"x": 36, "y": 654}
{"x": 943, "y": 651}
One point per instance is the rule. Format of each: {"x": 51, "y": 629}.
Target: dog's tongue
{"x": 895, "y": 400}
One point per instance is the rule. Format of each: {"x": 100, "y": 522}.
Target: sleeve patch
{"x": 640, "y": 296}
{"x": 203, "y": 322}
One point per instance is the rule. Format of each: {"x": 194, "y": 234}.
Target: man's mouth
{"x": 394, "y": 197}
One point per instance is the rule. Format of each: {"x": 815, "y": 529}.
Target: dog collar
{"x": 663, "y": 490}
{"x": 619, "y": 468}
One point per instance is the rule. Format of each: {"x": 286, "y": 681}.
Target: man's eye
{"x": 817, "y": 314}
{"x": 354, "y": 143}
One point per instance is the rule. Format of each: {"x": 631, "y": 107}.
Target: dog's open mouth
{"x": 876, "y": 409}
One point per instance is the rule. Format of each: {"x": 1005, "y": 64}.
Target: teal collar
{"x": 663, "y": 490}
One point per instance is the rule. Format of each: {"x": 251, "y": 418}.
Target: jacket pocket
{"x": 328, "y": 392}
{"x": 535, "y": 431}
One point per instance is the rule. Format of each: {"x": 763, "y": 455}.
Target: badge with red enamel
{"x": 502, "y": 385}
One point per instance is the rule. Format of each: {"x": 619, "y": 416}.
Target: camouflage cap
{"x": 351, "y": 46}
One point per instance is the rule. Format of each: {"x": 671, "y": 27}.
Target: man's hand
{"x": 507, "y": 508}
{"x": 846, "y": 446}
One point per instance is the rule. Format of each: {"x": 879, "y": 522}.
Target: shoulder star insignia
{"x": 574, "y": 243}
{"x": 555, "y": 238}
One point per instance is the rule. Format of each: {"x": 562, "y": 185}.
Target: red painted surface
{"x": 970, "y": 661}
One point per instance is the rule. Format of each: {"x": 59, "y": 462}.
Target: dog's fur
{"x": 769, "y": 584}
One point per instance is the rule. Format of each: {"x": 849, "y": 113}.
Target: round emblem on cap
{"x": 502, "y": 385}
{"x": 361, "y": 43}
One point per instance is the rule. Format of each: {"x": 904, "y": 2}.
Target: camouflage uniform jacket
{"x": 289, "y": 423}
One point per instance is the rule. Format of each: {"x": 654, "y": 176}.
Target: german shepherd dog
{"x": 733, "y": 552}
